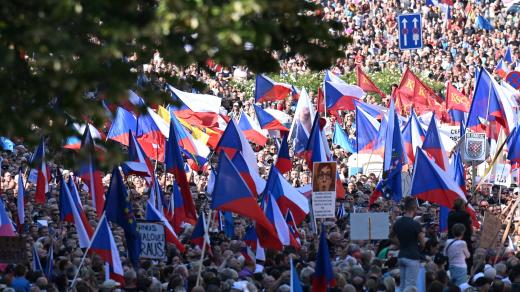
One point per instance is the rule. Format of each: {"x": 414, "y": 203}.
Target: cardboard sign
{"x": 474, "y": 148}
{"x": 490, "y": 230}
{"x": 13, "y": 250}
{"x": 365, "y": 226}
{"x": 153, "y": 240}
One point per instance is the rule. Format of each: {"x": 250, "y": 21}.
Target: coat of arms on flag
{"x": 474, "y": 147}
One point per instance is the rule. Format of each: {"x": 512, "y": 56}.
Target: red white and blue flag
{"x": 174, "y": 164}
{"x": 43, "y": 173}
{"x": 268, "y": 90}
{"x": 323, "y": 277}
{"x": 104, "y": 245}
{"x": 73, "y": 213}
{"x": 152, "y": 214}
{"x": 251, "y": 130}
{"x": 283, "y": 160}
{"x": 267, "y": 121}
{"x": 413, "y": 136}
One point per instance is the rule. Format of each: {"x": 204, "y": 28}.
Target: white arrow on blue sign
{"x": 410, "y": 31}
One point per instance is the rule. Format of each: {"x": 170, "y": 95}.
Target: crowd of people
{"x": 448, "y": 260}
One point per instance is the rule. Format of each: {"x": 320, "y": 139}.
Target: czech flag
{"x": 200, "y": 235}
{"x": 176, "y": 213}
{"x": 90, "y": 173}
{"x": 375, "y": 111}
{"x": 267, "y": 121}
{"x": 486, "y": 105}
{"x": 250, "y": 238}
{"x": 6, "y": 225}
{"x": 340, "y": 96}
{"x": 413, "y": 136}
{"x": 317, "y": 149}
{"x": 71, "y": 212}
{"x": 234, "y": 141}
{"x": 232, "y": 194}
{"x": 196, "y": 109}
{"x": 253, "y": 180}
{"x": 502, "y": 69}
{"x": 153, "y": 214}
{"x": 268, "y": 90}
{"x": 123, "y": 122}
{"x": 274, "y": 215}
{"x": 323, "y": 277}
{"x": 138, "y": 164}
{"x": 431, "y": 183}
{"x": 44, "y": 173}
{"x": 367, "y": 128}
{"x": 293, "y": 229}
{"x": 104, "y": 245}
{"x": 251, "y": 132}
{"x": 151, "y": 134}
{"x": 175, "y": 164}
{"x": 286, "y": 196}
{"x": 283, "y": 160}
{"x": 433, "y": 146}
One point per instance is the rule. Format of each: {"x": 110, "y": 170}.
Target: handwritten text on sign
{"x": 152, "y": 240}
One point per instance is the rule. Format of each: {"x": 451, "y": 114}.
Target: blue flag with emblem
{"x": 118, "y": 210}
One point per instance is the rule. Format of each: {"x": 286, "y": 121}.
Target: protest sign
{"x": 153, "y": 241}
{"x": 13, "y": 250}
{"x": 502, "y": 174}
{"x": 365, "y": 226}
{"x": 490, "y": 230}
{"x": 324, "y": 189}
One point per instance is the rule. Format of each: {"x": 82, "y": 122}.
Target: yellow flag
{"x": 195, "y": 132}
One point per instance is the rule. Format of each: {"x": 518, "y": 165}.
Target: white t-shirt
{"x": 457, "y": 252}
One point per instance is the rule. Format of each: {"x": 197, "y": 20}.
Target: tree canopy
{"x": 59, "y": 57}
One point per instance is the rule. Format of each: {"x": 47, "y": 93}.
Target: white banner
{"x": 153, "y": 240}
{"x": 502, "y": 175}
{"x": 324, "y": 204}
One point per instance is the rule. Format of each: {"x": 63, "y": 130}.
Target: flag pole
{"x": 206, "y": 232}
{"x": 79, "y": 268}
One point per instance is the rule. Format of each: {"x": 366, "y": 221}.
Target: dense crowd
{"x": 448, "y": 261}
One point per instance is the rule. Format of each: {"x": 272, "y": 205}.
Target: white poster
{"x": 365, "y": 226}
{"x": 502, "y": 174}
{"x": 153, "y": 241}
{"x": 323, "y": 204}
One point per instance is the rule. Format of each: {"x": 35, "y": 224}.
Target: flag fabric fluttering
{"x": 323, "y": 277}
{"x": 413, "y": 136}
{"x": 433, "y": 146}
{"x": 483, "y": 23}
{"x": 274, "y": 215}
{"x": 200, "y": 235}
{"x": 267, "y": 121}
{"x": 44, "y": 173}
{"x": 394, "y": 159}
{"x": 341, "y": 96}
{"x": 6, "y": 225}
{"x": 513, "y": 146}
{"x": 196, "y": 109}
{"x": 20, "y": 200}
{"x": 104, "y": 245}
{"x": 174, "y": 164}
{"x": 457, "y": 104}
{"x": 231, "y": 193}
{"x": 90, "y": 173}
{"x": 302, "y": 123}
{"x": 341, "y": 213}
{"x": 502, "y": 69}
{"x": 508, "y": 56}
{"x": 412, "y": 92}
{"x": 138, "y": 163}
{"x": 72, "y": 212}
{"x": 36, "y": 262}
{"x": 49, "y": 265}
{"x": 118, "y": 210}
{"x": 341, "y": 138}
{"x": 364, "y": 82}
{"x": 152, "y": 214}
{"x": 251, "y": 130}
{"x": 367, "y": 129}
{"x": 268, "y": 90}
{"x": 283, "y": 160}
{"x": 296, "y": 286}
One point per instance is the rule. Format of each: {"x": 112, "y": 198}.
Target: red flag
{"x": 413, "y": 92}
{"x": 456, "y": 99}
{"x": 321, "y": 101}
{"x": 366, "y": 84}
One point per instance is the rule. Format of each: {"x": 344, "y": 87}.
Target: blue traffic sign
{"x": 410, "y": 31}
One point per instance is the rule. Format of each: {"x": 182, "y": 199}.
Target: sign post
{"x": 410, "y": 31}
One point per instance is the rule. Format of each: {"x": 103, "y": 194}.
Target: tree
{"x": 59, "y": 57}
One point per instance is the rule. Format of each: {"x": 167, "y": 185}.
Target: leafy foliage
{"x": 54, "y": 52}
